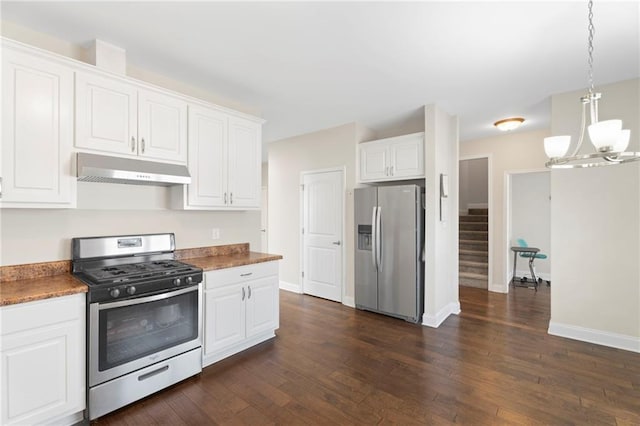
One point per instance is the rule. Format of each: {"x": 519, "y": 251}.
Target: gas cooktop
{"x": 122, "y": 267}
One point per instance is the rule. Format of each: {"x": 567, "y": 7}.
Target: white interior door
{"x": 322, "y": 234}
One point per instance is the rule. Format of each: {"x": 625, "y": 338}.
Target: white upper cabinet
{"x": 396, "y": 158}
{"x": 37, "y": 132}
{"x": 245, "y": 163}
{"x": 207, "y": 158}
{"x": 114, "y": 116}
{"x": 225, "y": 162}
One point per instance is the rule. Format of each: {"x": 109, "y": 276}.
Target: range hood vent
{"x": 102, "y": 168}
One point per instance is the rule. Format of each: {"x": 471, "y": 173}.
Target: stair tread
{"x": 476, "y": 232}
{"x": 478, "y": 252}
{"x": 472, "y": 263}
{"x": 473, "y": 275}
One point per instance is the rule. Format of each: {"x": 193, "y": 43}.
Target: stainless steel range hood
{"x": 102, "y": 168}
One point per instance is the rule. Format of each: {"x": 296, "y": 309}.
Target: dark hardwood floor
{"x": 329, "y": 364}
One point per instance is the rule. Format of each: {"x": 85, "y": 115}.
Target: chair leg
{"x": 533, "y": 273}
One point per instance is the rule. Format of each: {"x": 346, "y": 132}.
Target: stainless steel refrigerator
{"x": 389, "y": 269}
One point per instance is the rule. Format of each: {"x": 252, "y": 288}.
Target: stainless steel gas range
{"x": 143, "y": 318}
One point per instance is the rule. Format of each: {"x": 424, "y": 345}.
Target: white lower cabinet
{"x": 241, "y": 309}
{"x": 43, "y": 361}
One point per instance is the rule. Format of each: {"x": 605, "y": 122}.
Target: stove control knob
{"x": 131, "y": 290}
{"x": 189, "y": 280}
{"x": 177, "y": 282}
{"x": 114, "y": 292}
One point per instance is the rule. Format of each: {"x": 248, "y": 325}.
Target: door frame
{"x": 490, "y": 285}
{"x": 508, "y": 255}
{"x": 304, "y": 173}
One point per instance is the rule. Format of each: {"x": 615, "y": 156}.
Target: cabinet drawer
{"x": 41, "y": 313}
{"x": 224, "y": 277}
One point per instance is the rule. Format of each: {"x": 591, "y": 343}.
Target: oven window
{"x": 131, "y": 332}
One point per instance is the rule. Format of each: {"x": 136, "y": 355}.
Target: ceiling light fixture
{"x": 509, "y": 123}
{"x": 607, "y": 137}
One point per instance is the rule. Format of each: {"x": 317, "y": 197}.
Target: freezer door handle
{"x": 373, "y": 237}
{"x": 378, "y": 240}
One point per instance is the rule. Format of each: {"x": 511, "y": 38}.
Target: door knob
{"x": 337, "y": 243}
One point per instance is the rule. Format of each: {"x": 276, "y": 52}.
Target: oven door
{"x": 127, "y": 335}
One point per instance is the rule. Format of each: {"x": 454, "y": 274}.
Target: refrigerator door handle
{"x": 378, "y": 225}
{"x": 373, "y": 237}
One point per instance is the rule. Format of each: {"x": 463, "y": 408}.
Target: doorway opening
{"x": 322, "y": 234}
{"x": 528, "y": 218}
{"x": 475, "y": 238}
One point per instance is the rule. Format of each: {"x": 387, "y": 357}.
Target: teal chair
{"x": 531, "y": 257}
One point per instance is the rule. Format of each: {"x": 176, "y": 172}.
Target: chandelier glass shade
{"x": 608, "y": 137}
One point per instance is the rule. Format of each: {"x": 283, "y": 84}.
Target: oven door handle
{"x": 154, "y": 298}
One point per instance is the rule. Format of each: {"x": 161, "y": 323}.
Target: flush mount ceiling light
{"x": 608, "y": 137}
{"x": 509, "y": 123}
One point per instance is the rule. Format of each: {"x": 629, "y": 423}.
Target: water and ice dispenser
{"x": 364, "y": 237}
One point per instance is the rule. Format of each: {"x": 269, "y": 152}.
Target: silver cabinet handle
{"x": 225, "y": 198}
{"x": 246, "y": 275}
{"x": 386, "y": 171}
{"x": 133, "y": 144}
{"x": 336, "y": 243}
{"x": 249, "y": 287}
{"x": 231, "y": 198}
{"x": 242, "y": 293}
{"x": 143, "y": 145}
{"x": 391, "y": 170}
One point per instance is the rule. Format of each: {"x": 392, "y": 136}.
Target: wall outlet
{"x": 215, "y": 233}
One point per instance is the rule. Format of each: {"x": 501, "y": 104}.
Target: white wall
{"x": 531, "y": 218}
{"x": 441, "y": 237}
{"x": 595, "y": 231}
{"x": 330, "y": 148}
{"x": 508, "y": 152}
{"x": 474, "y": 184}
{"x": 42, "y": 235}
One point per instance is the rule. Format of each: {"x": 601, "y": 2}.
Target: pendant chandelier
{"x": 608, "y": 137}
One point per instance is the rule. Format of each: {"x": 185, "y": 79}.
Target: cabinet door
{"x": 106, "y": 115}
{"x": 373, "y": 161}
{"x": 407, "y": 157}
{"x": 42, "y": 361}
{"x": 37, "y": 132}
{"x": 207, "y": 157}
{"x": 162, "y": 126}
{"x": 262, "y": 305}
{"x": 224, "y": 317}
{"x": 245, "y": 163}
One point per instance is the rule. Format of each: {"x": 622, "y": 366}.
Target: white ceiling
{"x": 309, "y": 66}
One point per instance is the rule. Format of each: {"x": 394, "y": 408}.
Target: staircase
{"x": 474, "y": 249}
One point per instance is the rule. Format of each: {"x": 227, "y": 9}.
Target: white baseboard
{"x": 437, "y": 319}
{"x": 294, "y": 288}
{"x": 349, "y": 301}
{"x": 499, "y": 288}
{"x": 599, "y": 337}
